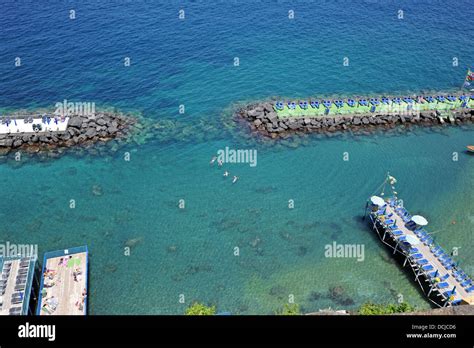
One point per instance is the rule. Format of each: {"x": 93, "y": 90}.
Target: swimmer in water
{"x": 234, "y": 180}
{"x": 219, "y": 163}
{"x": 226, "y": 173}
{"x": 213, "y": 159}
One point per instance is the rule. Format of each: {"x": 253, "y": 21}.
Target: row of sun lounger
{"x": 21, "y": 278}
{"x": 374, "y": 101}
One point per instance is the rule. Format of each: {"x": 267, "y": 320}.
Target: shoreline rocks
{"x": 81, "y": 132}
{"x": 262, "y": 119}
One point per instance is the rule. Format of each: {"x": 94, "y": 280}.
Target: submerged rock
{"x": 172, "y": 248}
{"x": 338, "y": 295}
{"x": 97, "y": 190}
{"x": 133, "y": 242}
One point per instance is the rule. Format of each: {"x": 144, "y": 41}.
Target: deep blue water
{"x": 190, "y": 62}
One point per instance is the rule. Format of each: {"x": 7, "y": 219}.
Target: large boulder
{"x": 272, "y": 116}
{"x": 91, "y": 132}
{"x": 112, "y": 130}
{"x": 75, "y": 122}
{"x": 101, "y": 122}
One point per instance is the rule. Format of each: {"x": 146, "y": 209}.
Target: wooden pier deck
{"x": 64, "y": 283}
{"x": 461, "y": 293}
{"x": 15, "y": 284}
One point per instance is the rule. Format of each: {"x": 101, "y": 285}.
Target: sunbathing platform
{"x": 29, "y": 124}
{"x": 438, "y": 274}
{"x": 16, "y": 282}
{"x": 63, "y": 287}
{"x": 373, "y": 105}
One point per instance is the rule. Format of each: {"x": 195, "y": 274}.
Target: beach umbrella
{"x": 419, "y": 220}
{"x": 412, "y": 240}
{"x": 377, "y": 201}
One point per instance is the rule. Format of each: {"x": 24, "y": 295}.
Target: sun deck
{"x": 373, "y": 105}
{"x": 27, "y": 124}
{"x": 63, "y": 288}
{"x": 438, "y": 275}
{"x": 426, "y": 251}
{"x": 16, "y": 283}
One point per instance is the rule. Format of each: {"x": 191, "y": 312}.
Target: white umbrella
{"x": 412, "y": 240}
{"x": 377, "y": 201}
{"x": 419, "y": 220}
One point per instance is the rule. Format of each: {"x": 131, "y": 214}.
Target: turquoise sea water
{"x": 190, "y": 251}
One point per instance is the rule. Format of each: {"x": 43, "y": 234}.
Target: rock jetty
{"x": 263, "y": 119}
{"x": 80, "y": 132}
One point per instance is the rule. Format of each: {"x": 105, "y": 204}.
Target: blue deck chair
{"x": 427, "y": 240}
{"x": 449, "y": 293}
{"x": 417, "y": 256}
{"x": 466, "y": 283}
{"x": 314, "y": 104}
{"x": 422, "y": 262}
{"x": 443, "y": 278}
{"x": 471, "y": 289}
{"x": 442, "y": 285}
{"x": 449, "y": 266}
{"x": 427, "y": 267}
{"x": 451, "y": 98}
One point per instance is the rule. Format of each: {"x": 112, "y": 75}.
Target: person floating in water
{"x": 213, "y": 159}
{"x": 234, "y": 180}
{"x": 226, "y": 173}
{"x": 219, "y": 163}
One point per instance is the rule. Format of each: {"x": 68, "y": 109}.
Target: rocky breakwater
{"x": 263, "y": 119}
{"x": 81, "y": 132}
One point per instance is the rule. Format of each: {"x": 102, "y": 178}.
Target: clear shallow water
{"x": 190, "y": 251}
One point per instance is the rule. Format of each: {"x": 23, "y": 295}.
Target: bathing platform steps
{"x": 440, "y": 278}
{"x": 373, "y": 105}
{"x": 63, "y": 287}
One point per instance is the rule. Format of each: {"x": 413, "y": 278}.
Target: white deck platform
{"x": 17, "y": 125}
